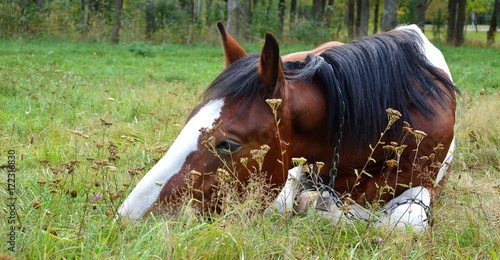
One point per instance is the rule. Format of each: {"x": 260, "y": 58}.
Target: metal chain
{"x": 336, "y": 147}
{"x": 324, "y": 205}
{"x": 410, "y": 201}
{"x": 335, "y": 159}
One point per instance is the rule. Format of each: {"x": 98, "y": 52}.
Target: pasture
{"x": 86, "y": 121}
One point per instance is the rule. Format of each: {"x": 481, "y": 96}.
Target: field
{"x": 84, "y": 122}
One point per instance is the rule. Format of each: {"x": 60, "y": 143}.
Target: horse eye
{"x": 228, "y": 146}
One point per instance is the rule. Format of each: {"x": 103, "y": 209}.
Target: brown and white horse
{"x": 334, "y": 102}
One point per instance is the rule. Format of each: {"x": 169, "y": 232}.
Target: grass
{"x": 87, "y": 120}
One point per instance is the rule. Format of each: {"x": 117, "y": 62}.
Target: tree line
{"x": 186, "y": 21}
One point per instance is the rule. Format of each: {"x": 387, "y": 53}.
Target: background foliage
{"x": 189, "y": 21}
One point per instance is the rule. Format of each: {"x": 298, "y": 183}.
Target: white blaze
{"x": 148, "y": 189}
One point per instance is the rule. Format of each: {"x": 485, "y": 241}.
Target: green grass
{"x": 54, "y": 94}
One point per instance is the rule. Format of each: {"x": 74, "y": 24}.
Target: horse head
{"x": 240, "y": 119}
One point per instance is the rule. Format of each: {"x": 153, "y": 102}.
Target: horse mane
{"x": 238, "y": 81}
{"x": 373, "y": 74}
{"x": 368, "y": 75}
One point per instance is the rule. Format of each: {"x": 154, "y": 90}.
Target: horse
{"x": 336, "y": 105}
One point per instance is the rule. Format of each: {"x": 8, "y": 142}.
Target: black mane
{"x": 367, "y": 75}
{"x": 239, "y": 81}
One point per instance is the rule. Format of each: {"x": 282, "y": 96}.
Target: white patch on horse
{"x": 408, "y": 213}
{"x": 446, "y": 163}
{"x": 432, "y": 53}
{"x": 146, "y": 193}
{"x": 284, "y": 202}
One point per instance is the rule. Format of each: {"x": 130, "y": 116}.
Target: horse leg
{"x": 284, "y": 203}
{"x": 410, "y": 209}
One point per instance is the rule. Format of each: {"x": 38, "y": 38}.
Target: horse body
{"x": 333, "y": 88}
{"x": 302, "y": 55}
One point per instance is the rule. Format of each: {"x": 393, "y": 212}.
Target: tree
{"x": 149, "y": 18}
{"x": 452, "y": 21}
{"x": 188, "y": 6}
{"x": 456, "y": 22}
{"x": 282, "y": 9}
{"x": 350, "y": 18}
{"x": 375, "y": 16}
{"x": 461, "y": 14}
{"x": 245, "y": 17}
{"x": 318, "y": 8}
{"x": 357, "y": 18}
{"x": 329, "y": 13}
{"x": 490, "y": 38}
{"x": 233, "y": 14}
{"x": 115, "y": 36}
{"x": 420, "y": 7}
{"x": 238, "y": 17}
{"x": 293, "y": 11}
{"x": 363, "y": 15}
{"x": 389, "y": 14}
{"x": 85, "y": 18}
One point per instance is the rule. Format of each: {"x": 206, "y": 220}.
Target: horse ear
{"x": 270, "y": 67}
{"x": 232, "y": 50}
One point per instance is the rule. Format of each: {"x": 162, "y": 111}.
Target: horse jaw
{"x": 146, "y": 193}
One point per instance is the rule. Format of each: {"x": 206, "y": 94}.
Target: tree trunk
{"x": 245, "y": 17}
{"x": 375, "y": 16}
{"x": 358, "y": 18}
{"x": 364, "y": 15}
{"x": 115, "y": 36}
{"x": 317, "y": 12}
{"x": 83, "y": 12}
{"x": 490, "y": 38}
{"x": 473, "y": 20}
{"x": 208, "y": 4}
{"x": 293, "y": 12}
{"x": 198, "y": 10}
{"x": 420, "y": 8}
{"x": 233, "y": 14}
{"x": 456, "y": 22}
{"x": 188, "y": 5}
{"x": 282, "y": 13}
{"x": 350, "y": 18}
{"x": 329, "y": 13}
{"x": 459, "y": 33}
{"x": 149, "y": 19}
{"x": 452, "y": 21}
{"x": 389, "y": 15}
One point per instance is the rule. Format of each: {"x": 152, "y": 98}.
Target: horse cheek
{"x": 265, "y": 138}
